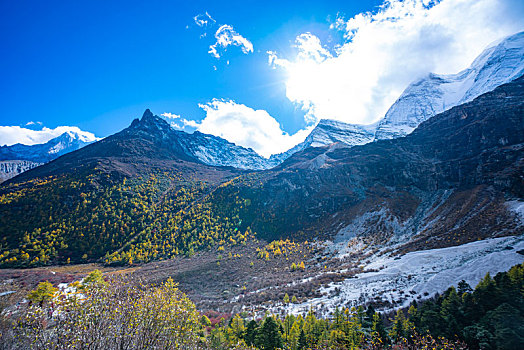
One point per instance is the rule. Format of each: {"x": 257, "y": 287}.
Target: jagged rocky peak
{"x": 208, "y": 149}
{"x": 499, "y": 64}
{"x": 151, "y": 122}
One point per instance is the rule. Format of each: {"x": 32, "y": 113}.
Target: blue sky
{"x": 99, "y": 64}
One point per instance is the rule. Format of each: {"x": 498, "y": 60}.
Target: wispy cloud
{"x": 204, "y": 20}
{"x": 226, "y": 36}
{"x": 32, "y": 123}
{"x": 358, "y": 80}
{"x": 176, "y": 121}
{"x": 10, "y": 135}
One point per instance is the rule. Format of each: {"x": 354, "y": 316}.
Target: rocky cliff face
{"x": 12, "y": 168}
{"x": 451, "y": 176}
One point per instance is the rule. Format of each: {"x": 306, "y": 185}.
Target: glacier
{"x": 500, "y": 63}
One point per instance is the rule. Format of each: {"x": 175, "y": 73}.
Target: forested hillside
{"x": 136, "y": 196}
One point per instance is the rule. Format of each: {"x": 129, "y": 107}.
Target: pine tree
{"x": 269, "y": 337}
{"x": 463, "y": 287}
{"x": 451, "y": 313}
{"x": 251, "y": 332}
{"x": 293, "y": 337}
{"x": 302, "y": 342}
{"x": 397, "y": 328}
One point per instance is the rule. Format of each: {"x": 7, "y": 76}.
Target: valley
{"x": 387, "y": 217}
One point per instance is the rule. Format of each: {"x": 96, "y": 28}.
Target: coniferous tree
{"x": 269, "y": 337}
{"x": 251, "y": 332}
{"x": 302, "y": 341}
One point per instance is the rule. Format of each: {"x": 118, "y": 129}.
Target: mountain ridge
{"x": 19, "y": 158}
{"x": 423, "y": 98}
{"x": 449, "y": 178}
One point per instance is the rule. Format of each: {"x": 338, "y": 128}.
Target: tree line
{"x": 121, "y": 313}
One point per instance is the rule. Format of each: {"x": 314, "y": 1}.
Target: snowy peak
{"x": 67, "y": 142}
{"x": 499, "y": 64}
{"x": 328, "y": 132}
{"x": 16, "y": 159}
{"x": 331, "y": 131}
{"x": 43, "y": 153}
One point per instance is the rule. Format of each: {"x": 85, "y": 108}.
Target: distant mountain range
{"x": 451, "y": 176}
{"x": 18, "y": 158}
{"x": 383, "y": 214}
{"x": 424, "y": 98}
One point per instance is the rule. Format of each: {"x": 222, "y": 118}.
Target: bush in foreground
{"x": 121, "y": 314}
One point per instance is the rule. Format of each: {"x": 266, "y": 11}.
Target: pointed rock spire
{"x": 147, "y": 114}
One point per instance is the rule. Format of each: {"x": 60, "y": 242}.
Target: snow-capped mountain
{"x": 435, "y": 93}
{"x": 43, "y": 153}
{"x": 213, "y": 150}
{"x": 330, "y": 131}
{"x": 17, "y": 158}
{"x": 216, "y": 151}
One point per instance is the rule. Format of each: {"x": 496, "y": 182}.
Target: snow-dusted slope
{"x": 396, "y": 281}
{"x": 331, "y": 131}
{"x": 435, "y": 93}
{"x": 216, "y": 151}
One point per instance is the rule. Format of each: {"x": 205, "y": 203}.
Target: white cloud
{"x": 227, "y": 36}
{"x": 248, "y": 127}
{"x": 204, "y": 20}
{"x": 384, "y": 51}
{"x": 170, "y": 115}
{"x": 31, "y": 123}
{"x": 176, "y": 121}
{"x": 10, "y": 135}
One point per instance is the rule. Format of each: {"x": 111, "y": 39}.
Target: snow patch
{"x": 418, "y": 275}
{"x": 517, "y": 207}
